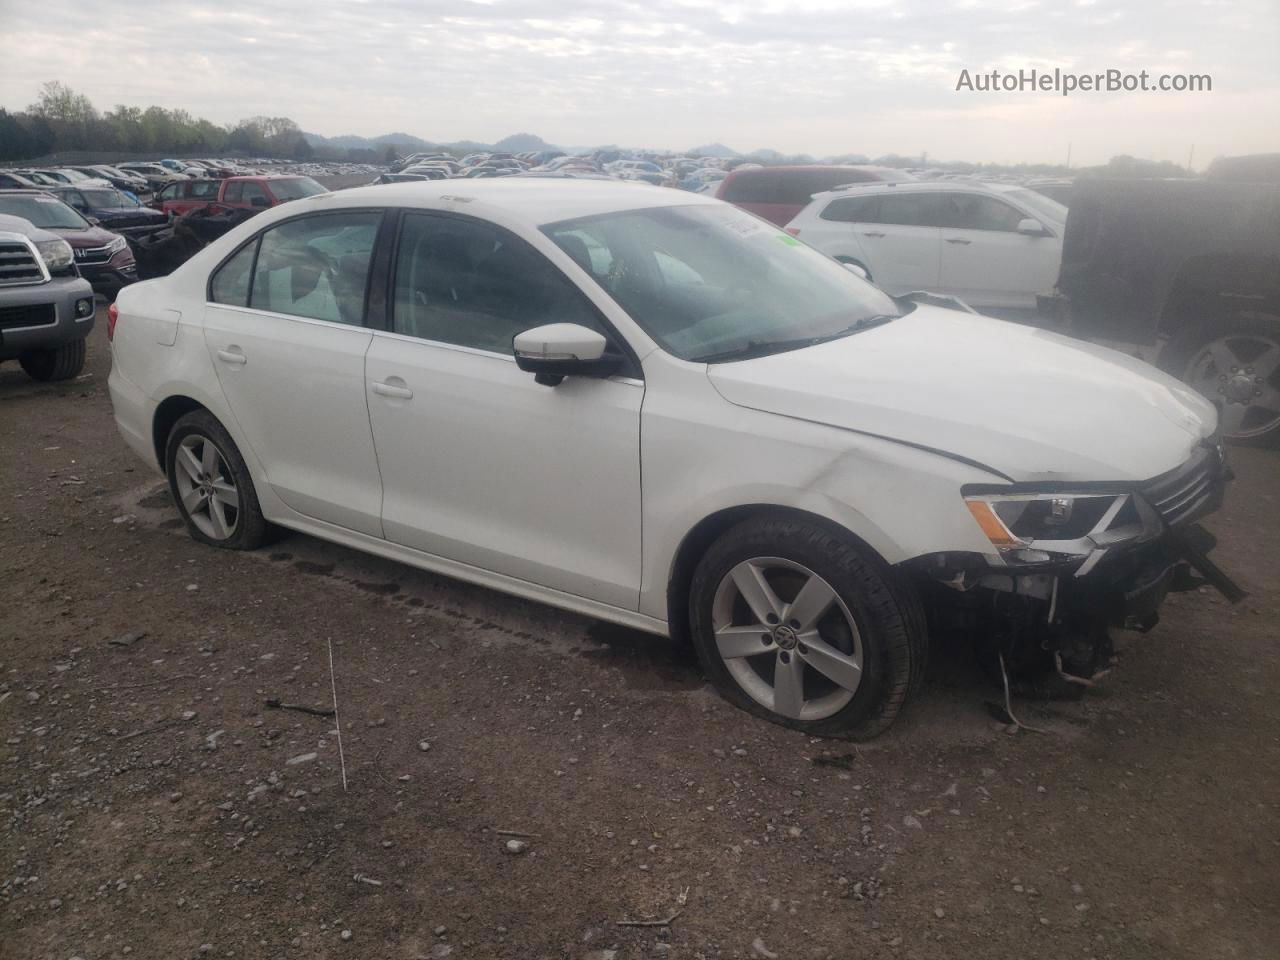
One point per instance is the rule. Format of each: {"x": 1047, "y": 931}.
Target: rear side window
{"x": 316, "y": 267}
{"x": 906, "y": 210}
{"x": 234, "y": 191}
{"x": 852, "y": 210}
{"x": 204, "y": 189}
{"x": 230, "y": 282}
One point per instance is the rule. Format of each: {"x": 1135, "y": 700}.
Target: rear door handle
{"x": 872, "y": 233}
{"x": 960, "y": 240}
{"x": 388, "y": 389}
{"x": 233, "y": 355}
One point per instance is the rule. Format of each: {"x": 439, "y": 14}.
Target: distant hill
{"x": 714, "y": 150}
{"x": 523, "y": 143}
{"x": 405, "y": 143}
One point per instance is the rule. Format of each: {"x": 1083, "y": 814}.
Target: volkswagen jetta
{"x": 651, "y": 407}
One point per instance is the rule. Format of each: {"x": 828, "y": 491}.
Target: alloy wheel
{"x": 1238, "y": 372}
{"x": 206, "y": 487}
{"x": 787, "y": 638}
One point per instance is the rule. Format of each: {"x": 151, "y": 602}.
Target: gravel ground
{"x": 153, "y": 806}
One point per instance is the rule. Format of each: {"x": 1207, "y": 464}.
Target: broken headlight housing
{"x": 1036, "y": 528}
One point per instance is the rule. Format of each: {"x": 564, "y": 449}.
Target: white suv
{"x": 991, "y": 245}
{"x": 651, "y": 407}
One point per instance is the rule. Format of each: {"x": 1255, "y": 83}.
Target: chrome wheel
{"x": 787, "y": 638}
{"x": 206, "y": 487}
{"x": 1238, "y": 372}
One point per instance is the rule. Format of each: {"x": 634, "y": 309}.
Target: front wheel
{"x": 797, "y": 624}
{"x": 56, "y": 363}
{"x": 211, "y": 485}
{"x": 1235, "y": 363}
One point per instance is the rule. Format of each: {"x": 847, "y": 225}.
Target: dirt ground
{"x": 153, "y": 806}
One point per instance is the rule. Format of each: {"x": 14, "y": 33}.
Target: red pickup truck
{"x": 233, "y": 193}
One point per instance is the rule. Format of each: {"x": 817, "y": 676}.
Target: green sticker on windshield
{"x": 788, "y": 240}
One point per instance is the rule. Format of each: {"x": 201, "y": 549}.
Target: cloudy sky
{"x": 818, "y": 76}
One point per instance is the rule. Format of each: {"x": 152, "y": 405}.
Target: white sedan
{"x": 653, "y": 408}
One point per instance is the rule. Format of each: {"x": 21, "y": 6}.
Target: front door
{"x": 480, "y": 464}
{"x": 285, "y": 332}
{"x": 986, "y": 262}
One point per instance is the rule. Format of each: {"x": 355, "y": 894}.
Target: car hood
{"x": 84, "y": 236}
{"x": 115, "y": 213}
{"x": 1026, "y": 403}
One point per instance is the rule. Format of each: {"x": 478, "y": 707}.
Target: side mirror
{"x": 94, "y": 221}
{"x": 854, "y": 269}
{"x": 558, "y": 350}
{"x": 1031, "y": 227}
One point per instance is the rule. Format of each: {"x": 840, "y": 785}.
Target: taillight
{"x": 794, "y": 231}
{"x": 113, "y": 314}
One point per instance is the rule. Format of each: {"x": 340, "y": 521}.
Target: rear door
{"x": 898, "y": 235}
{"x": 285, "y": 331}
{"x": 985, "y": 261}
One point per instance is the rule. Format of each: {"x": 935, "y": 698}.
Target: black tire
{"x": 1177, "y": 356}
{"x": 56, "y": 363}
{"x": 251, "y": 527}
{"x": 884, "y": 607}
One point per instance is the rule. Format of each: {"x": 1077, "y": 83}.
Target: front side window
{"x": 316, "y": 267}
{"x": 235, "y": 190}
{"x": 203, "y": 189}
{"x": 713, "y": 282}
{"x": 970, "y": 211}
{"x": 295, "y": 188}
{"x": 475, "y": 285}
{"x": 170, "y": 192}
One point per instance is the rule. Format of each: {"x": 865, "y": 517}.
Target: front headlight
{"x": 116, "y": 245}
{"x": 1040, "y": 527}
{"x": 56, "y": 254}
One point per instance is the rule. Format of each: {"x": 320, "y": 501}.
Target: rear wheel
{"x": 1235, "y": 363}
{"x": 56, "y": 363}
{"x": 211, "y": 485}
{"x": 795, "y": 623}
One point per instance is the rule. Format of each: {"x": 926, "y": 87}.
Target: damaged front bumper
{"x": 1077, "y": 560}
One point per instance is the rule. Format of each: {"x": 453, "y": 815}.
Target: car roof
{"x": 535, "y": 200}
{"x": 917, "y": 186}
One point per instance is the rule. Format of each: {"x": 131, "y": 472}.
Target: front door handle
{"x": 233, "y": 355}
{"x": 872, "y": 233}
{"x": 960, "y": 240}
{"x": 389, "y": 389}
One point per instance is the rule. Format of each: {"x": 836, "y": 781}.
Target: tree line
{"x": 62, "y": 119}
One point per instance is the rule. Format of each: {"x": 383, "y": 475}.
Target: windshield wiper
{"x": 763, "y": 348}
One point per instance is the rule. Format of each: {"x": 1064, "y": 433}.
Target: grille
{"x": 18, "y": 264}
{"x": 93, "y": 254}
{"x": 1187, "y": 492}
{"x": 37, "y": 315}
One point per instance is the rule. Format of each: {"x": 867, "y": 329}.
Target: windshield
{"x": 107, "y": 199}
{"x": 44, "y": 212}
{"x": 296, "y": 188}
{"x": 1045, "y": 207}
{"x": 708, "y": 281}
